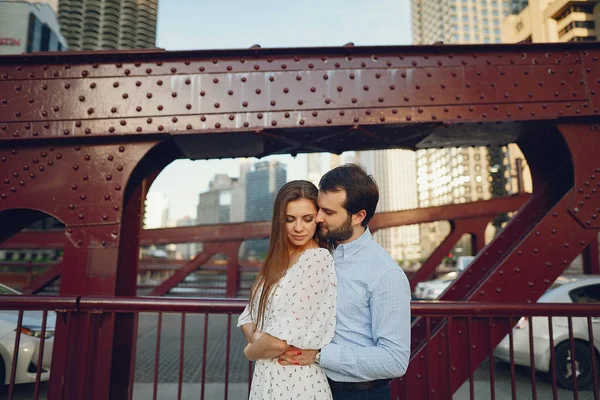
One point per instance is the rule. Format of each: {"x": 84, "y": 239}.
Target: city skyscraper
{"x": 215, "y": 205}
{"x": 108, "y": 24}
{"x": 396, "y": 174}
{"x": 455, "y": 175}
{"x": 27, "y": 27}
{"x": 319, "y": 163}
{"x": 454, "y": 21}
{"x": 156, "y": 210}
{"x": 262, "y": 185}
{"x": 557, "y": 21}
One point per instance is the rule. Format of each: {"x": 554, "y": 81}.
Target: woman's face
{"x": 300, "y": 225}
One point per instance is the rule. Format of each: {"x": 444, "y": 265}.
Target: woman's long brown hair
{"x": 278, "y": 255}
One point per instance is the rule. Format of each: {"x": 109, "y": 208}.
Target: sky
{"x": 235, "y": 24}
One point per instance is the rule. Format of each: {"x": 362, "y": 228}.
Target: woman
{"x": 292, "y": 301}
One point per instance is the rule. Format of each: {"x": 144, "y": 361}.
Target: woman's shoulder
{"x": 317, "y": 254}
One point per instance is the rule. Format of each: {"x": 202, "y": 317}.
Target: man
{"x": 371, "y": 344}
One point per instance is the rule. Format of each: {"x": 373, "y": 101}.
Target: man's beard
{"x": 339, "y": 234}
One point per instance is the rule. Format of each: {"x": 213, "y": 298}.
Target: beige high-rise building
{"x": 396, "y": 174}
{"x": 458, "y": 21}
{"x": 556, "y": 21}
{"x": 108, "y": 24}
{"x": 456, "y": 175}
{"x": 52, "y": 3}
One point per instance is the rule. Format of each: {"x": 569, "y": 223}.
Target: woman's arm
{"x": 248, "y": 329}
{"x": 265, "y": 347}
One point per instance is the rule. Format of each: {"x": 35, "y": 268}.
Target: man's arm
{"x": 390, "y": 322}
{"x": 390, "y": 313}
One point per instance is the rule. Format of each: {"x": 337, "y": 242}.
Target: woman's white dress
{"x": 301, "y": 311}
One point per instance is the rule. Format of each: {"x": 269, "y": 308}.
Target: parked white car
{"x": 431, "y": 290}
{"x": 579, "y": 289}
{"x": 29, "y": 345}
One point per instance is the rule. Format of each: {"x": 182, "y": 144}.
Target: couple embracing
{"x": 329, "y": 312}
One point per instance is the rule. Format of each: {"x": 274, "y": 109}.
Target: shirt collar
{"x": 351, "y": 248}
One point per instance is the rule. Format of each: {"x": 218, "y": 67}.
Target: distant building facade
{"x": 109, "y": 24}
{"x": 27, "y": 28}
{"x": 262, "y": 185}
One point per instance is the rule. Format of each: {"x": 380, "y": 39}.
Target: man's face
{"x": 334, "y": 221}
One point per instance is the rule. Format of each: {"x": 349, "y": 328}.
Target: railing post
{"x": 233, "y": 270}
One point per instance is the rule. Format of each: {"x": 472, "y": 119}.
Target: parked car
{"x": 431, "y": 290}
{"x": 581, "y": 289}
{"x": 29, "y": 345}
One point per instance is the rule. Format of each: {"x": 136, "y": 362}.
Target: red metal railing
{"x": 171, "y": 345}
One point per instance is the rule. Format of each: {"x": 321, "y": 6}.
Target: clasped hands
{"x": 296, "y": 356}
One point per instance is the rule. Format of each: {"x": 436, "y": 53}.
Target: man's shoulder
{"x": 380, "y": 256}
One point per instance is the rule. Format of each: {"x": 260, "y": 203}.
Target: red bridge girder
{"x": 80, "y": 132}
{"x": 471, "y": 218}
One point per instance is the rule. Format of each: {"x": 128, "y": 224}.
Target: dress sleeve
{"x": 304, "y": 314}
{"x": 245, "y": 317}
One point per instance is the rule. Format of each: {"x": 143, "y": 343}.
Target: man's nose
{"x": 319, "y": 217}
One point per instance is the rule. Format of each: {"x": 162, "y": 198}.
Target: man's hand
{"x": 295, "y": 356}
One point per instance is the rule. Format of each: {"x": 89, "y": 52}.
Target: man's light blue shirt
{"x": 372, "y": 334}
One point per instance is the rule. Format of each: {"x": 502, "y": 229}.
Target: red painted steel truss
{"x": 81, "y": 132}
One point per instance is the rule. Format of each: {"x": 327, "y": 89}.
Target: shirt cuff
{"x": 330, "y": 356}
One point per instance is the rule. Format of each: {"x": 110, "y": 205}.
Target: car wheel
{"x": 583, "y": 365}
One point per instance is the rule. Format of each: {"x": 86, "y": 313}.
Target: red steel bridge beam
{"x": 471, "y": 218}
{"x": 80, "y": 131}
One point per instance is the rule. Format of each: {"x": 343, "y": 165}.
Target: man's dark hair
{"x": 361, "y": 189}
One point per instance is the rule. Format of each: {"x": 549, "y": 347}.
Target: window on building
{"x": 486, "y": 40}
{"x": 496, "y": 22}
{"x": 465, "y": 18}
{"x": 577, "y": 24}
{"x": 465, "y": 9}
{"x": 34, "y": 34}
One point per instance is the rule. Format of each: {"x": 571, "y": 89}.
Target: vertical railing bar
{"x": 593, "y": 351}
{"x": 573, "y": 364}
{"x": 40, "y": 360}
{"x": 181, "y": 356}
{"x": 491, "y": 361}
{"x": 469, "y": 363}
{"x": 133, "y": 355}
{"x": 532, "y": 359}
{"x": 552, "y": 359}
{"x": 427, "y": 353}
{"x": 227, "y": 351}
{"x": 157, "y": 356}
{"x": 204, "y": 358}
{"x": 15, "y": 358}
{"x": 511, "y": 350}
{"x": 449, "y": 355}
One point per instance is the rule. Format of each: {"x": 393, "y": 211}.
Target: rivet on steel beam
{"x": 259, "y": 116}
{"x": 159, "y": 108}
{"x": 498, "y": 290}
{"x": 567, "y": 244}
{"x": 174, "y": 94}
{"x": 517, "y": 270}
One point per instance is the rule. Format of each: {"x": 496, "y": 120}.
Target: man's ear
{"x": 359, "y": 217}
